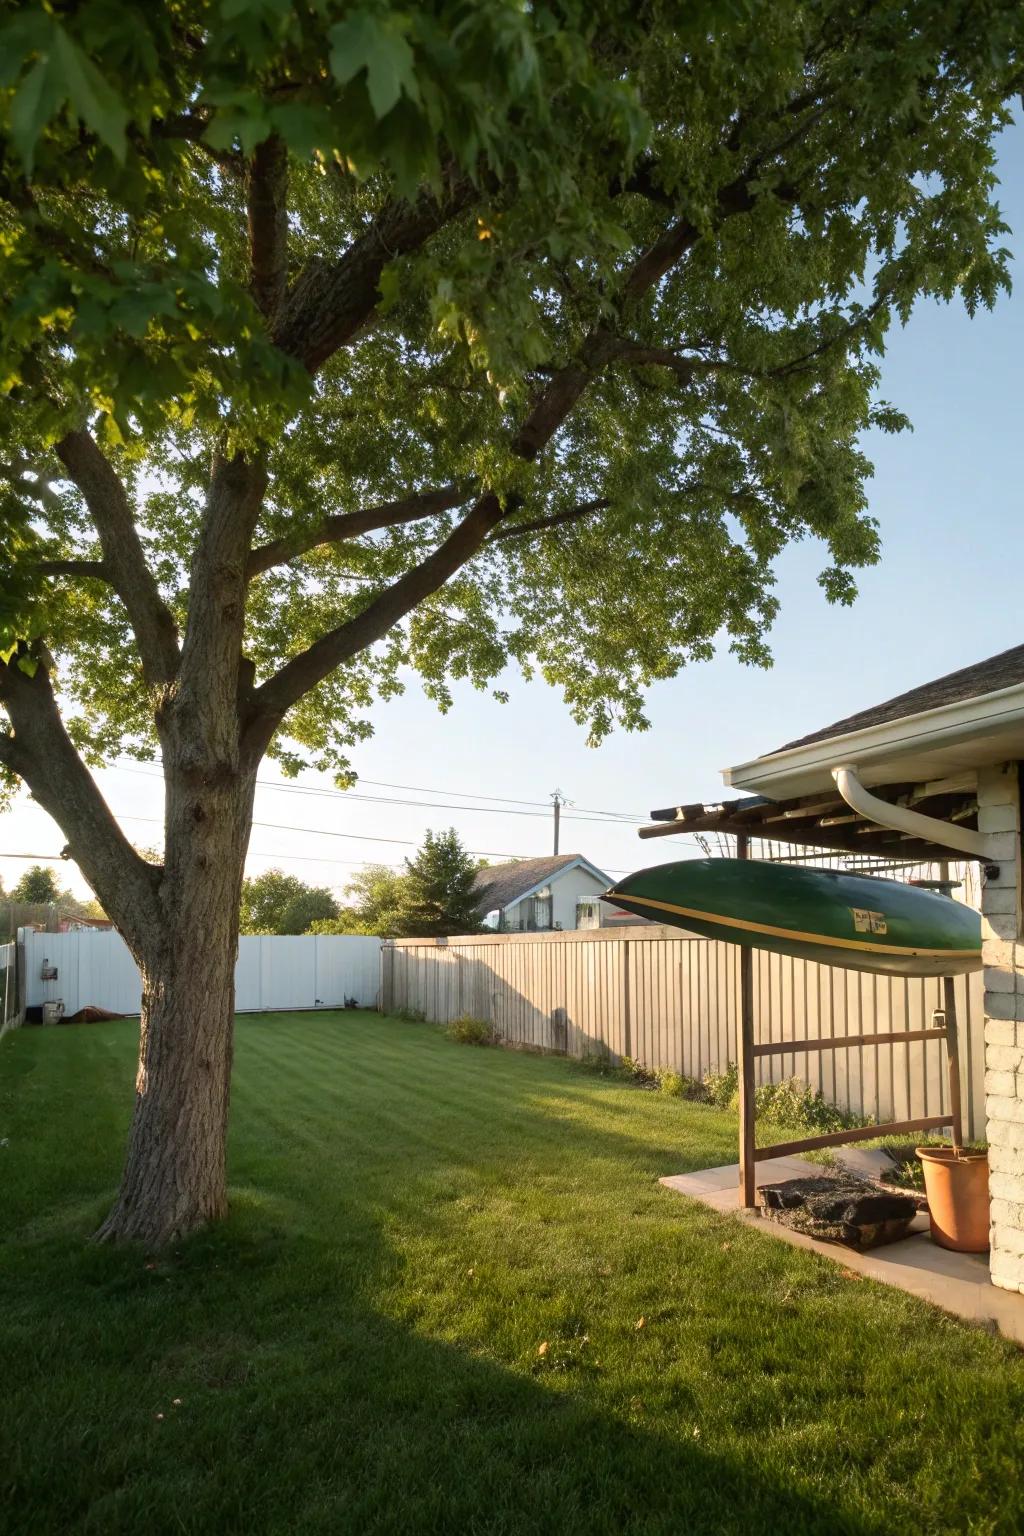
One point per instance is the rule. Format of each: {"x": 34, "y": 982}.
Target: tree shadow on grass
{"x": 242, "y": 1382}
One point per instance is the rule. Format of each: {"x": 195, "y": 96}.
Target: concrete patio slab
{"x": 957, "y": 1282}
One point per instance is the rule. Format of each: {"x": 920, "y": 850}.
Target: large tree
{"x": 438, "y": 892}
{"x": 345, "y": 337}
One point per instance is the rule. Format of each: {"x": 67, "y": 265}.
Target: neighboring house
{"x": 537, "y": 895}
{"x": 931, "y": 774}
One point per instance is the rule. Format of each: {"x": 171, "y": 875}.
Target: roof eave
{"x": 876, "y": 745}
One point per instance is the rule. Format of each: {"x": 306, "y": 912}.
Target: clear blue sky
{"x": 950, "y": 500}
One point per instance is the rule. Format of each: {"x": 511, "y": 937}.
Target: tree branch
{"x": 205, "y": 703}
{"x": 600, "y": 347}
{"x": 41, "y": 753}
{"x": 642, "y": 180}
{"x": 330, "y": 302}
{"x": 348, "y": 525}
{"x": 95, "y": 568}
{"x": 556, "y": 520}
{"x": 275, "y": 697}
{"x": 123, "y": 556}
{"x": 267, "y": 209}
{"x": 37, "y": 488}
{"x": 348, "y": 292}
{"x": 192, "y": 128}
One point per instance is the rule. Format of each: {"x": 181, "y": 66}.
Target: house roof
{"x": 499, "y": 885}
{"x": 921, "y": 749}
{"x": 945, "y": 729}
{"x": 1000, "y": 671}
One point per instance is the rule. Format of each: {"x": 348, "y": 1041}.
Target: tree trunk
{"x": 174, "y": 1176}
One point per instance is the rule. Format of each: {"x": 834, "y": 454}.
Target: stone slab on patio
{"x": 957, "y": 1282}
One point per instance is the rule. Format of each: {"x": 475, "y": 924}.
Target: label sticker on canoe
{"x": 865, "y": 921}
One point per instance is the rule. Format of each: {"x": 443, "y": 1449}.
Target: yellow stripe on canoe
{"x": 795, "y": 933}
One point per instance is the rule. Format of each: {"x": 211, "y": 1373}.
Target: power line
{"x": 48, "y": 858}
{"x": 544, "y": 808}
{"x": 470, "y": 795}
{"x": 360, "y": 837}
{"x": 607, "y": 818}
{"x": 604, "y": 819}
{"x": 300, "y": 858}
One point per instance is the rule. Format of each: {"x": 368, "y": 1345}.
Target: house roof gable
{"x": 502, "y": 885}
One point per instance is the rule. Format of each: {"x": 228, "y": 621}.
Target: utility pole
{"x": 557, "y": 800}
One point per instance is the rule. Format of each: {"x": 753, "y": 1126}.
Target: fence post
{"x": 20, "y": 976}
{"x": 627, "y": 1007}
{"x": 745, "y": 1059}
{"x": 387, "y": 966}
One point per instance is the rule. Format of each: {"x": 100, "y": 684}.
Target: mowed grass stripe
{"x": 489, "y": 1080}
{"x": 515, "y": 1119}
{"x": 370, "y": 1125}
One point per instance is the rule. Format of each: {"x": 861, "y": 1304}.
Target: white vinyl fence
{"x": 95, "y": 968}
{"x": 673, "y": 1001}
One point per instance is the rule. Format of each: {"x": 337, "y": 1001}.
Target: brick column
{"x": 999, "y": 815}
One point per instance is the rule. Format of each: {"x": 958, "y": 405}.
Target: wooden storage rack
{"x": 748, "y": 1053}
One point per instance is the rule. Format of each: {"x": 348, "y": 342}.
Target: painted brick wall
{"x": 999, "y": 815}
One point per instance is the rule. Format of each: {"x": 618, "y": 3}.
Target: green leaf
{"x": 389, "y": 286}
{"x": 370, "y": 42}
{"x": 246, "y": 121}
{"x": 99, "y": 107}
{"x": 21, "y": 37}
{"x": 37, "y": 98}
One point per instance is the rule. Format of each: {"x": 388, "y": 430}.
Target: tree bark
{"x": 175, "y": 1175}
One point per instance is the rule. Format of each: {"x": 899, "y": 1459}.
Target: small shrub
{"x": 410, "y": 1015}
{"x": 470, "y": 1031}
{"x": 792, "y": 1103}
{"x": 722, "y": 1088}
{"x": 636, "y": 1073}
{"x": 599, "y": 1062}
{"x": 905, "y": 1175}
{"x": 679, "y": 1086}
{"x": 795, "y": 1104}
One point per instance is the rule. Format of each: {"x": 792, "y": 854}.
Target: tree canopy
{"x": 546, "y": 328}
{"x": 372, "y": 904}
{"x": 432, "y": 896}
{"x": 278, "y": 903}
{"x": 38, "y": 884}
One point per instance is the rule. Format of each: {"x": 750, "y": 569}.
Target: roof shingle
{"x": 1000, "y": 671}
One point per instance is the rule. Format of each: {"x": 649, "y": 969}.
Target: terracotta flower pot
{"x": 956, "y": 1184}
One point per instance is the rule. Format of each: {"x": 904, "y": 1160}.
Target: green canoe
{"x": 855, "y": 921}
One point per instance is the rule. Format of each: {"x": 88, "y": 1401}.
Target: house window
{"x": 539, "y": 911}
{"x": 588, "y": 912}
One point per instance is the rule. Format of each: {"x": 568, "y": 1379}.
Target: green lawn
{"x": 359, "y": 1348}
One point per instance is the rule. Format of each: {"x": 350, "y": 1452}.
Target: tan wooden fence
{"x": 672, "y": 1001}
